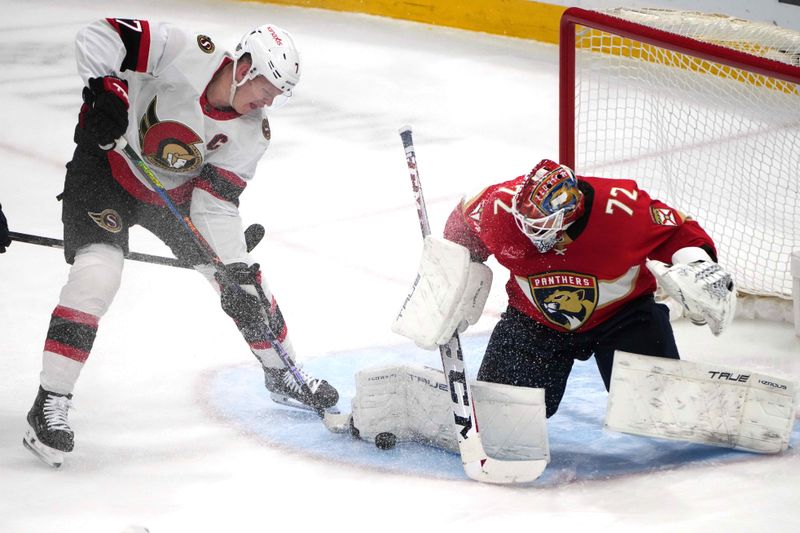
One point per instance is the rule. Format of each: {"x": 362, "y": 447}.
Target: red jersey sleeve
{"x": 459, "y": 230}
{"x": 688, "y": 232}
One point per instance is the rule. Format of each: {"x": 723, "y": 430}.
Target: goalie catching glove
{"x": 704, "y": 289}
{"x": 449, "y": 293}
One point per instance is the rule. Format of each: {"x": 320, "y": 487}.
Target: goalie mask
{"x": 272, "y": 55}
{"x": 547, "y": 203}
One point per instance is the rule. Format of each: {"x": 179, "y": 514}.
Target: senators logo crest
{"x": 265, "y": 129}
{"x": 168, "y": 145}
{"x": 205, "y": 43}
{"x": 108, "y": 219}
{"x": 567, "y": 299}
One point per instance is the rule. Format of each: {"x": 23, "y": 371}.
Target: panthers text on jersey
{"x": 598, "y": 264}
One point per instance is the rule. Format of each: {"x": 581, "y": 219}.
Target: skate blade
{"x": 332, "y": 417}
{"x": 48, "y": 455}
{"x": 291, "y": 402}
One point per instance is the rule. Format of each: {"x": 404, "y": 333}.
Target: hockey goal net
{"x": 703, "y": 111}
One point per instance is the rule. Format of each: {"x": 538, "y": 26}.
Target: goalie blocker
{"x": 449, "y": 293}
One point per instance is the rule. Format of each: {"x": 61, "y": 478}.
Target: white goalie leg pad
{"x": 378, "y": 404}
{"x": 450, "y": 292}
{"x": 429, "y": 411}
{"x": 513, "y": 421}
{"x": 413, "y": 403}
{"x": 707, "y": 404}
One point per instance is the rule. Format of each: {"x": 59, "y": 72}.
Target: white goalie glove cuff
{"x": 690, "y": 254}
{"x": 705, "y": 290}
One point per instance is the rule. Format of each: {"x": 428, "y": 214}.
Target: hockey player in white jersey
{"x": 196, "y": 114}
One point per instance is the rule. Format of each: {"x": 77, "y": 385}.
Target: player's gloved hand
{"x": 5, "y": 240}
{"x": 241, "y": 305}
{"x": 705, "y": 289}
{"x": 104, "y": 115}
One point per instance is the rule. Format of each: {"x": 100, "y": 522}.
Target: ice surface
{"x": 341, "y": 250}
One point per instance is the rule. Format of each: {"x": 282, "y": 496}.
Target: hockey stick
{"x": 134, "y": 256}
{"x": 252, "y": 236}
{"x": 333, "y": 419}
{"x": 477, "y": 464}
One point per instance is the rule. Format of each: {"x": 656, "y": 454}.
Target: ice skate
{"x": 284, "y": 389}
{"x": 49, "y": 436}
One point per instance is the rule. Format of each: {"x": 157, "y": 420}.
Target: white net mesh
{"x": 718, "y": 143}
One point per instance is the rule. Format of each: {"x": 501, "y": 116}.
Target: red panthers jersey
{"x": 598, "y": 264}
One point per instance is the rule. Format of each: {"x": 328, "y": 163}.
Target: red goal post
{"x": 703, "y": 111}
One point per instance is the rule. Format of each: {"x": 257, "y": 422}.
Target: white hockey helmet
{"x": 273, "y": 55}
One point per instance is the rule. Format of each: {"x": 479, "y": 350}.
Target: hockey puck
{"x": 385, "y": 440}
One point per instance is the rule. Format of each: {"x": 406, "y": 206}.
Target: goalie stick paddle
{"x": 333, "y": 419}
{"x": 252, "y": 236}
{"x": 477, "y": 465}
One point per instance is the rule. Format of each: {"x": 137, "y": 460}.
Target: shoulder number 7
{"x": 613, "y": 202}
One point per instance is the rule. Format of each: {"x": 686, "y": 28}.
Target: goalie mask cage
{"x": 703, "y": 111}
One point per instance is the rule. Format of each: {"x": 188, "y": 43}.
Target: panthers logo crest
{"x": 566, "y": 299}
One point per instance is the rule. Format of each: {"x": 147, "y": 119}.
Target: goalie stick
{"x": 252, "y": 236}
{"x": 477, "y": 465}
{"x": 333, "y": 419}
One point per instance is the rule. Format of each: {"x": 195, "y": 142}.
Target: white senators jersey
{"x": 171, "y": 124}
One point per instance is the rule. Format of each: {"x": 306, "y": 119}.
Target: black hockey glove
{"x": 240, "y": 305}
{"x": 104, "y": 115}
{"x": 5, "y": 240}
